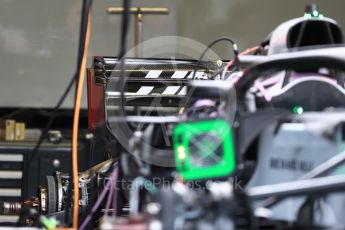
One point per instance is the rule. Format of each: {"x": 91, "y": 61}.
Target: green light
{"x": 181, "y": 152}
{"x": 315, "y": 13}
{"x": 204, "y": 149}
{"x": 49, "y": 223}
{"x": 298, "y": 109}
{"x": 307, "y": 15}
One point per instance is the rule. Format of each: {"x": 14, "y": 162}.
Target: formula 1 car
{"x": 254, "y": 143}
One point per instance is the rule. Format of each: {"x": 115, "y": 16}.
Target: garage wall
{"x": 39, "y": 42}
{"x": 246, "y": 21}
{"x": 39, "y": 38}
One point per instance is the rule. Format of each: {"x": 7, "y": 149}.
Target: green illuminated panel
{"x": 204, "y": 149}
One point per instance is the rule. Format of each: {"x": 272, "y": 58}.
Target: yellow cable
{"x": 76, "y": 125}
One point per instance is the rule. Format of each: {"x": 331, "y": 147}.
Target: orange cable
{"x": 231, "y": 62}
{"x": 76, "y": 125}
{"x": 246, "y": 52}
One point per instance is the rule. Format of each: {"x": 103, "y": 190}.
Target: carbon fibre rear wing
{"x": 152, "y": 84}
{"x": 151, "y": 79}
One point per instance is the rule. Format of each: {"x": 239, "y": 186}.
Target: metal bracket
{"x": 138, "y": 14}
